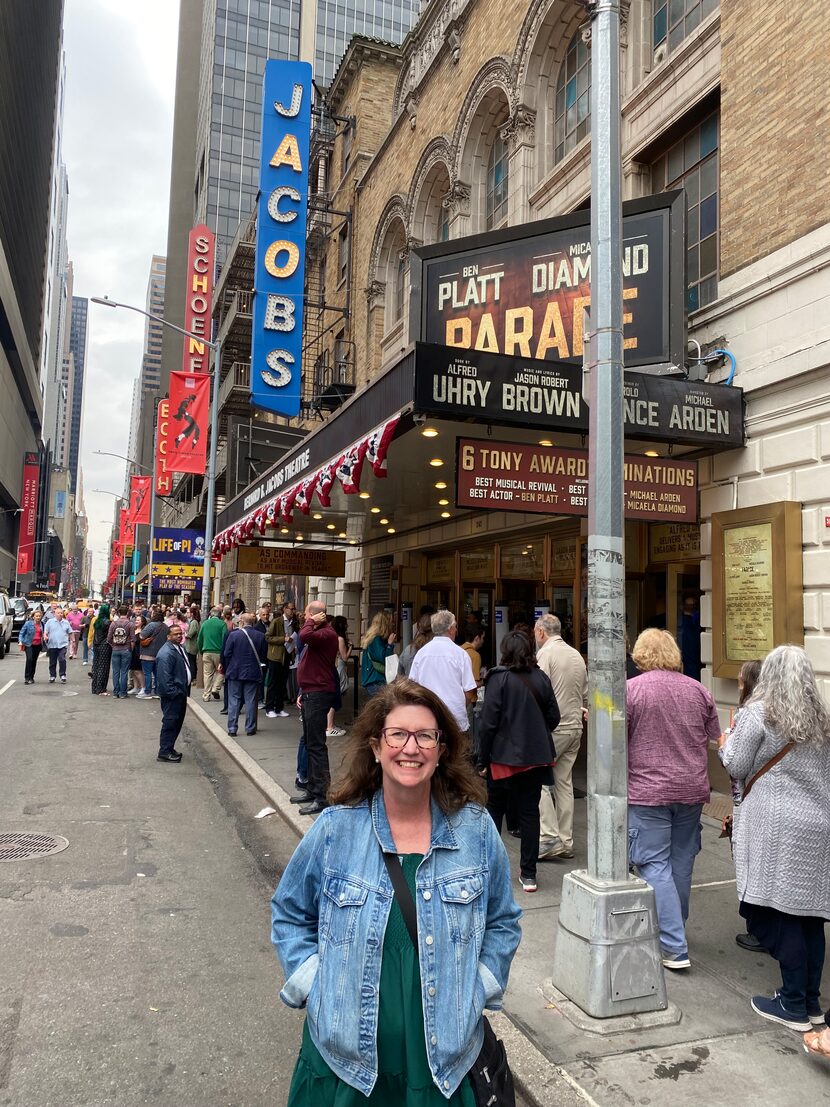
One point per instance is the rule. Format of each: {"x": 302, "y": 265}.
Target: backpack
{"x": 119, "y": 637}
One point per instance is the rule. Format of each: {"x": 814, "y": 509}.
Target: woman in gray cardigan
{"x": 781, "y": 834}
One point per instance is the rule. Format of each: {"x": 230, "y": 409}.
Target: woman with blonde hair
{"x": 670, "y": 719}
{"x": 378, "y": 643}
{"x": 779, "y": 748}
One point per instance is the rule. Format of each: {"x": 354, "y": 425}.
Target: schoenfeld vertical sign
{"x": 276, "y": 351}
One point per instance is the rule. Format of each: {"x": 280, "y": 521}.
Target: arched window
{"x": 674, "y": 20}
{"x": 572, "y": 120}
{"x": 498, "y": 178}
{"x": 400, "y": 284}
{"x": 443, "y": 223}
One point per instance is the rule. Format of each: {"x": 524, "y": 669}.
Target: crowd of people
{"x": 441, "y": 740}
{"x": 436, "y": 722}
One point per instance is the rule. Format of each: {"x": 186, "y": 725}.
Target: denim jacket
{"x": 329, "y": 918}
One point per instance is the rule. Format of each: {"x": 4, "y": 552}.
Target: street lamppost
{"x": 144, "y": 469}
{"x": 216, "y": 347}
{"x": 118, "y": 496}
{"x": 607, "y": 956}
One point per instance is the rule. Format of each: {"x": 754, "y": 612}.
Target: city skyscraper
{"x": 78, "y": 346}
{"x": 30, "y": 39}
{"x": 235, "y": 47}
{"x": 151, "y": 358}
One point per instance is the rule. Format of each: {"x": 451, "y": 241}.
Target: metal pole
{"x": 211, "y": 476}
{"x": 607, "y": 955}
{"x": 152, "y": 516}
{"x": 607, "y": 752}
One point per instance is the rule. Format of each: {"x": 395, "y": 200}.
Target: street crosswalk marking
{"x": 6, "y": 687}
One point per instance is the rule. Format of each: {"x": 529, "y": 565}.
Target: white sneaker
{"x": 282, "y": 714}
{"x": 335, "y": 732}
{"x": 142, "y": 695}
{"x": 133, "y": 692}
{"x": 271, "y": 715}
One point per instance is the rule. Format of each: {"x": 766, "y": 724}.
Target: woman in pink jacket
{"x": 74, "y": 618}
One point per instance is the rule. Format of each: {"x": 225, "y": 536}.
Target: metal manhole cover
{"x": 20, "y": 847}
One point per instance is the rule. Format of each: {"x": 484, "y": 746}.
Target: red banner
{"x": 200, "y": 250}
{"x": 140, "y": 500}
{"x": 188, "y": 423}
{"x": 28, "y": 514}
{"x": 126, "y": 535}
{"x": 163, "y": 475}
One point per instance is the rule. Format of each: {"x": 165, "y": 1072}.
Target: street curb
{"x": 538, "y": 1079}
{"x": 273, "y": 792}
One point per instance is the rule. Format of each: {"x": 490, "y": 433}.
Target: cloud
{"x": 117, "y": 144}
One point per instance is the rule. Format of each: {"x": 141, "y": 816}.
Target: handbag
{"x": 490, "y": 1076}
{"x": 260, "y": 662}
{"x": 726, "y": 825}
{"x": 342, "y": 674}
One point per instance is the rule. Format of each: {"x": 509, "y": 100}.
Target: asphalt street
{"x": 136, "y": 965}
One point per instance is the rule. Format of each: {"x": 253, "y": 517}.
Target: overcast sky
{"x": 118, "y": 125}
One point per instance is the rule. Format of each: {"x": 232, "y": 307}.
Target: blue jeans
{"x": 120, "y": 670}
{"x": 663, "y": 843}
{"x": 149, "y": 669}
{"x": 237, "y": 691}
{"x": 85, "y": 645}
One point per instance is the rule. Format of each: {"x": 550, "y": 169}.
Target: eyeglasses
{"x": 396, "y": 739}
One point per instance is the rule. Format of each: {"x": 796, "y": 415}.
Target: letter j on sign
{"x": 276, "y": 354}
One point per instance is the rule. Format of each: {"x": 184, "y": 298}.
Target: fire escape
{"x": 328, "y": 356}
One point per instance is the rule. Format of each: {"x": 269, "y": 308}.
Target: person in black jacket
{"x": 516, "y": 750}
{"x": 173, "y": 682}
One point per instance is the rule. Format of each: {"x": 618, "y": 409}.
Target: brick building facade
{"x": 481, "y": 120}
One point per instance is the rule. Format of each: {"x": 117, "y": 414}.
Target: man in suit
{"x": 243, "y": 655}
{"x": 173, "y": 685}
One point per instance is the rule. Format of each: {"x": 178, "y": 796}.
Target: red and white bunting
{"x": 325, "y": 480}
{"x": 377, "y": 446}
{"x": 349, "y": 468}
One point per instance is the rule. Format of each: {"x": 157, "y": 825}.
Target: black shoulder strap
{"x": 405, "y": 900}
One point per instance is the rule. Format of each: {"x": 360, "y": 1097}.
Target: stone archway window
{"x": 498, "y": 181}
{"x": 443, "y": 223}
{"x": 398, "y": 291}
{"x": 572, "y": 122}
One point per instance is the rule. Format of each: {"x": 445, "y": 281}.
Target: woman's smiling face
{"x": 409, "y": 768}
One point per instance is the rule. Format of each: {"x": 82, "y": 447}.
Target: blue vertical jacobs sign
{"x": 277, "y": 340}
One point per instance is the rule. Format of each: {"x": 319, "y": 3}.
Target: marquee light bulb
{"x": 443, "y": 503}
{"x": 429, "y": 432}
{"x": 364, "y": 496}
{"x": 545, "y": 442}
{"x": 436, "y": 461}
{"x": 440, "y": 484}
{"x": 384, "y": 522}
{"x": 375, "y": 510}
{"x": 445, "y": 515}
{"x": 330, "y": 526}
{"x": 317, "y": 515}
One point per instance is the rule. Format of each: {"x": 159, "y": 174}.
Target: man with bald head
{"x": 316, "y": 676}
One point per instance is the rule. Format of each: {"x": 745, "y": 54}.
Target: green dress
{"x": 404, "y": 1079}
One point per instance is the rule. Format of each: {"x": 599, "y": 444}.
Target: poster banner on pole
{"x": 126, "y": 535}
{"x": 200, "y": 250}
{"x": 163, "y": 474}
{"x": 140, "y": 500}
{"x": 186, "y": 444}
{"x": 28, "y": 514}
{"x": 277, "y": 337}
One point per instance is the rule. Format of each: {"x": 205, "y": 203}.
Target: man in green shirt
{"x": 212, "y": 634}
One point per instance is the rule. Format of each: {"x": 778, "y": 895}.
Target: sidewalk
{"x": 716, "y": 1050}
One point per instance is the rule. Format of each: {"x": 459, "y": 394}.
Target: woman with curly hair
{"x": 670, "y": 719}
{"x": 781, "y": 833}
{"x": 389, "y": 1022}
